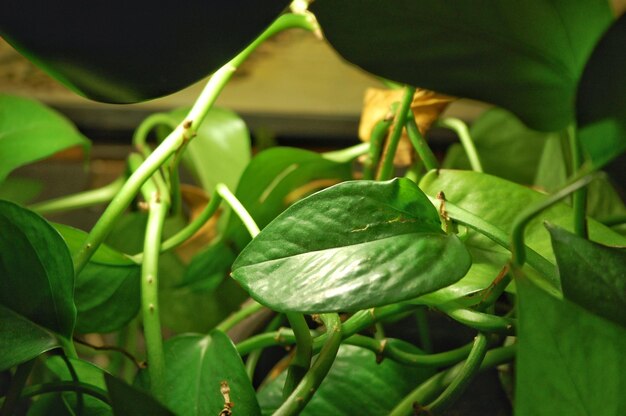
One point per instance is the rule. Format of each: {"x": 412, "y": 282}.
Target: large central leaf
{"x": 355, "y": 245}
{"x": 526, "y": 56}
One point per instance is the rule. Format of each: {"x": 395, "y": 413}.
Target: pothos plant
{"x": 515, "y": 235}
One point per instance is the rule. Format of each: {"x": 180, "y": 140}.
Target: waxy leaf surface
{"x": 196, "y": 367}
{"x": 355, "y": 245}
{"x": 524, "y": 56}
{"x": 30, "y": 131}
{"x": 569, "y": 361}
{"x": 107, "y": 289}
{"x": 592, "y": 275}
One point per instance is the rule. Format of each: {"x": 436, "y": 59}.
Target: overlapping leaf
{"x": 355, "y": 245}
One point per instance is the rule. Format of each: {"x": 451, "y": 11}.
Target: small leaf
{"x": 355, "y": 245}
{"x": 569, "y": 361}
{"x": 592, "y": 275}
{"x": 373, "y": 388}
{"x": 107, "y": 289}
{"x": 197, "y": 366}
{"x": 127, "y": 400}
{"x": 30, "y": 131}
{"x": 484, "y": 52}
{"x": 220, "y": 151}
{"x": 21, "y": 339}
{"x": 36, "y": 270}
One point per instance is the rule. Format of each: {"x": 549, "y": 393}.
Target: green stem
{"x": 385, "y": 349}
{"x": 238, "y": 208}
{"x": 386, "y": 170}
{"x": 460, "y": 128}
{"x": 518, "y": 249}
{"x": 347, "y": 154}
{"x": 579, "y": 197}
{"x": 145, "y": 127}
{"x": 422, "y": 329}
{"x": 419, "y": 144}
{"x": 613, "y": 220}
{"x": 481, "y": 321}
{"x": 61, "y": 386}
{"x": 301, "y": 362}
{"x": 80, "y": 404}
{"x": 17, "y": 385}
{"x": 470, "y": 368}
{"x": 80, "y": 200}
{"x": 461, "y": 216}
{"x": 243, "y": 313}
{"x": 428, "y": 390}
{"x": 377, "y": 139}
{"x": 182, "y": 133}
{"x": 254, "y": 356}
{"x": 318, "y": 371}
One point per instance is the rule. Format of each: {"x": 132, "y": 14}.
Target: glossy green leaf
{"x": 36, "y": 270}
{"x": 127, "y": 400}
{"x": 484, "y": 51}
{"x": 355, "y": 245}
{"x": 506, "y": 147}
{"x": 356, "y": 383}
{"x": 30, "y": 131}
{"x": 601, "y": 102}
{"x": 592, "y": 275}
{"x": 20, "y": 190}
{"x": 498, "y": 202}
{"x": 209, "y": 267}
{"x": 196, "y": 367}
{"x": 273, "y": 179}
{"x": 569, "y": 361}
{"x": 107, "y": 289}
{"x": 220, "y": 151}
{"x": 21, "y": 339}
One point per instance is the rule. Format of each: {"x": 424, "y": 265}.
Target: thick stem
{"x": 421, "y": 319}
{"x": 182, "y": 133}
{"x": 301, "y": 362}
{"x": 377, "y": 139}
{"x": 419, "y": 144}
{"x": 387, "y": 168}
{"x": 318, "y": 371}
{"x": 460, "y": 128}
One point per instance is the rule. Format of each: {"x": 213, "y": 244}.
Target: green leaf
{"x": 36, "y": 270}
{"x": 569, "y": 361}
{"x": 196, "y": 367}
{"x": 127, "y": 400}
{"x": 20, "y": 190}
{"x": 30, "y": 131}
{"x": 592, "y": 275}
{"x": 220, "y": 151}
{"x": 355, "y": 245}
{"x": 601, "y": 102}
{"x": 107, "y": 289}
{"x": 373, "y": 388}
{"x": 484, "y": 51}
{"x": 273, "y": 179}
{"x": 21, "y": 339}
{"x": 498, "y": 202}
{"x": 506, "y": 147}
{"x": 209, "y": 267}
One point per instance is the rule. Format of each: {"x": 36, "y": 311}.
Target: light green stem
{"x": 386, "y": 170}
{"x": 464, "y": 377}
{"x": 460, "y": 128}
{"x": 238, "y": 208}
{"x": 347, "y": 154}
{"x": 141, "y": 133}
{"x": 254, "y": 356}
{"x": 419, "y": 144}
{"x": 518, "y": 249}
{"x": 80, "y": 200}
{"x": 429, "y": 389}
{"x": 183, "y": 132}
{"x": 318, "y": 371}
{"x": 377, "y": 139}
{"x": 304, "y": 351}
{"x": 246, "y": 311}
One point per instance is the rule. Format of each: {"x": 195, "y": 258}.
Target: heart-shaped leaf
{"x": 127, "y": 400}
{"x": 485, "y": 51}
{"x": 199, "y": 368}
{"x": 107, "y": 289}
{"x": 569, "y": 361}
{"x": 220, "y": 151}
{"x": 592, "y": 275}
{"x": 30, "y": 131}
{"x": 355, "y": 245}
{"x": 36, "y": 271}
{"x": 373, "y": 388}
